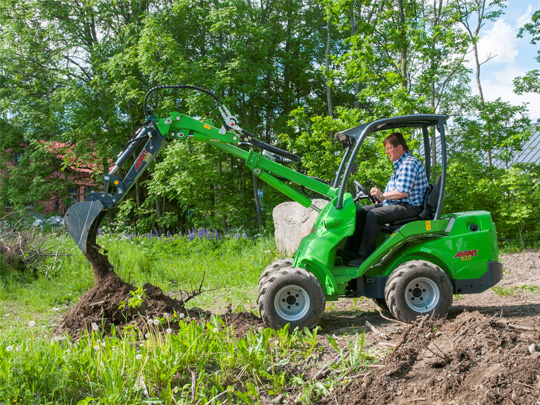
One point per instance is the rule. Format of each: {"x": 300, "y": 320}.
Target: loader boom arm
{"x": 157, "y": 132}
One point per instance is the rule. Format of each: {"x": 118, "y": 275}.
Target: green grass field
{"x": 201, "y": 364}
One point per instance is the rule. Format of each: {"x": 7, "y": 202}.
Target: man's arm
{"x": 388, "y": 195}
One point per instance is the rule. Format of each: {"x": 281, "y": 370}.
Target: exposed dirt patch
{"x": 486, "y": 352}
{"x": 473, "y": 358}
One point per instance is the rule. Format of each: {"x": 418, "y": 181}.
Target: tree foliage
{"x": 295, "y": 72}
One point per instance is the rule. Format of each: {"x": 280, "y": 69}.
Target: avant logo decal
{"x": 143, "y": 157}
{"x": 466, "y": 254}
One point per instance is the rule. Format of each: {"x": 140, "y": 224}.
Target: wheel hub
{"x": 422, "y": 294}
{"x": 292, "y": 303}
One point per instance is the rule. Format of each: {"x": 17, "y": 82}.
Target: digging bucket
{"x": 82, "y": 221}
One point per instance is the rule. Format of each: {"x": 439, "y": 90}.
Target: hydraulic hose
{"x": 256, "y": 142}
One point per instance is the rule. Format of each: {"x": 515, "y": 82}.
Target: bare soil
{"x": 487, "y": 351}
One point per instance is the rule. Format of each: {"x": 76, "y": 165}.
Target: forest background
{"x": 295, "y": 72}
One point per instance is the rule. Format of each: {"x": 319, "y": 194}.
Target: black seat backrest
{"x": 431, "y": 197}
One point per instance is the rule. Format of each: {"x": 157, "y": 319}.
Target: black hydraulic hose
{"x": 177, "y": 86}
{"x": 256, "y": 142}
{"x": 270, "y": 148}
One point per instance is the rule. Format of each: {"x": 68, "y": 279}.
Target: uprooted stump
{"x": 107, "y": 303}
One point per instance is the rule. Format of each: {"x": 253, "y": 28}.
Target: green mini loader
{"x": 418, "y": 265}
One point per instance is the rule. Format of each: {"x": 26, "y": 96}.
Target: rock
{"x": 292, "y": 222}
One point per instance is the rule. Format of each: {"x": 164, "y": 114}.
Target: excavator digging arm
{"x": 83, "y": 219}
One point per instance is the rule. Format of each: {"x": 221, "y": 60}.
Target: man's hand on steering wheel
{"x": 362, "y": 192}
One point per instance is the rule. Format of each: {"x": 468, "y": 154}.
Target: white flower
{"x": 31, "y": 323}
{"x": 150, "y": 321}
{"x": 147, "y": 336}
{"x": 216, "y": 330}
{"x": 182, "y": 316}
{"x": 18, "y": 349}
{"x": 156, "y": 322}
{"x": 169, "y": 331}
{"x": 9, "y": 348}
{"x": 94, "y": 326}
{"x": 139, "y": 356}
{"x": 96, "y": 347}
{"x": 141, "y": 344}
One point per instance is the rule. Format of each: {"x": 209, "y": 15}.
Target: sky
{"x": 513, "y": 56}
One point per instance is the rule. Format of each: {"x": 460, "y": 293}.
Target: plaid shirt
{"x": 409, "y": 177}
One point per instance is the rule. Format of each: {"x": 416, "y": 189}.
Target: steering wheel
{"x": 362, "y": 192}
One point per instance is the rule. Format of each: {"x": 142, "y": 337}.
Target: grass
{"x": 199, "y": 364}
{"x": 502, "y": 291}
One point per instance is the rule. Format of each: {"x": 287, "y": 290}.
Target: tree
{"x": 480, "y": 11}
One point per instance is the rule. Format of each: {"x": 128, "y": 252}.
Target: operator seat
{"x": 431, "y": 198}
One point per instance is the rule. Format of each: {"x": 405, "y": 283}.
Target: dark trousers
{"x": 371, "y": 218}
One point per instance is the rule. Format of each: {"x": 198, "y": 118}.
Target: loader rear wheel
{"x": 291, "y": 295}
{"x": 272, "y": 267}
{"x": 418, "y": 288}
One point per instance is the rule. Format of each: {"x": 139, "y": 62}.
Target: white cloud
{"x": 499, "y": 43}
{"x": 499, "y": 83}
{"x": 525, "y": 18}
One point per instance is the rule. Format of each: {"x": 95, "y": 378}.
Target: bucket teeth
{"x": 79, "y": 220}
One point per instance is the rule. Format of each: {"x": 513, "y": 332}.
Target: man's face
{"x": 394, "y": 152}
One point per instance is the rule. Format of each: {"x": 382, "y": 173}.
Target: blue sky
{"x": 514, "y": 56}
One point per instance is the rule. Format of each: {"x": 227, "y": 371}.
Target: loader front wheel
{"x": 418, "y": 288}
{"x": 273, "y": 267}
{"x": 291, "y": 295}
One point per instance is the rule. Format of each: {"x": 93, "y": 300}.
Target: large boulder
{"x": 292, "y": 222}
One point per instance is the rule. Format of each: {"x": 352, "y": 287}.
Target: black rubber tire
{"x": 291, "y": 295}
{"x": 381, "y": 303}
{"x": 274, "y": 266}
{"x": 418, "y": 288}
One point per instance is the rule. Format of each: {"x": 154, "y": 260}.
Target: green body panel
{"x": 450, "y": 243}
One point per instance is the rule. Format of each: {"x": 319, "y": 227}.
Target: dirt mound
{"x": 107, "y": 306}
{"x": 115, "y": 304}
{"x": 471, "y": 359}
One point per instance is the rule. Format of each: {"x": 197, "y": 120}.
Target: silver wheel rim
{"x": 422, "y": 294}
{"x": 292, "y": 303}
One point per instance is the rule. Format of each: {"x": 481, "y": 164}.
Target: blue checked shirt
{"x": 409, "y": 177}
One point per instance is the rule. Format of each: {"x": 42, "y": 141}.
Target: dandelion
{"x": 150, "y": 321}
{"x": 147, "y": 336}
{"x": 94, "y": 326}
{"x": 18, "y": 349}
{"x": 216, "y": 330}
{"x": 96, "y": 347}
{"x": 156, "y": 322}
{"x": 139, "y": 356}
{"x": 169, "y": 331}
{"x": 31, "y": 323}
{"x": 182, "y": 316}
{"x": 9, "y": 348}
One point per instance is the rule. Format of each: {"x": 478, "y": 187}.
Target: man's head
{"x": 395, "y": 146}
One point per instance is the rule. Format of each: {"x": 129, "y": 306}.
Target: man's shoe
{"x": 356, "y": 262}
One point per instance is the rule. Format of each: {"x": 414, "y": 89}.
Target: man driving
{"x": 402, "y": 198}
